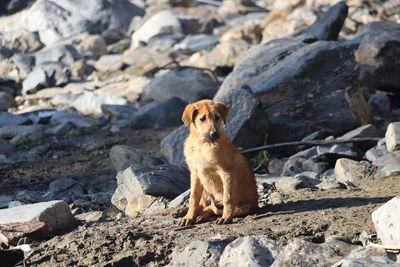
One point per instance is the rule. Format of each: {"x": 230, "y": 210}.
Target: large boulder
{"x": 386, "y": 221}
{"x": 246, "y": 126}
{"x": 295, "y": 81}
{"x": 57, "y": 19}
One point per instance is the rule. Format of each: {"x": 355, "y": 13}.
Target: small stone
{"x": 329, "y": 184}
{"x": 386, "y": 221}
{"x": 392, "y": 136}
{"x": 6, "y": 101}
{"x": 109, "y": 63}
{"x": 34, "y": 81}
{"x": 90, "y": 103}
{"x": 347, "y": 170}
{"x": 375, "y": 153}
{"x": 179, "y": 200}
{"x": 66, "y": 189}
{"x": 92, "y": 216}
{"x": 11, "y": 233}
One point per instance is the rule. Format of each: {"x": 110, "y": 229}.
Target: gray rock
{"x": 249, "y": 251}
{"x": 380, "y": 103}
{"x": 179, "y": 200}
{"x": 20, "y": 41}
{"x": 286, "y": 74}
{"x": 164, "y": 22}
{"x": 55, "y": 214}
{"x": 275, "y": 166}
{"x": 35, "y": 80}
{"x": 66, "y": 189}
{"x": 245, "y": 126}
{"x": 164, "y": 180}
{"x": 369, "y": 261}
{"x": 296, "y": 165}
{"x": 60, "y": 129}
{"x": 16, "y": 132}
{"x": 4, "y": 200}
{"x": 200, "y": 253}
{"x": 386, "y": 221}
{"x": 305, "y": 253}
{"x": 347, "y": 170}
{"x": 158, "y": 114}
{"x": 145, "y": 60}
{"x": 329, "y": 184}
{"x": 194, "y": 43}
{"x": 56, "y": 19}
{"x": 388, "y": 165}
{"x": 109, "y": 63}
{"x": 29, "y": 197}
{"x": 63, "y": 117}
{"x": 124, "y": 156}
{"x": 90, "y": 103}
{"x": 189, "y": 84}
{"x": 7, "y": 118}
{"x": 377, "y": 57}
{"x": 115, "y": 112}
{"x": 367, "y": 130}
{"x": 375, "y": 153}
{"x": 6, "y": 100}
{"x": 392, "y": 136}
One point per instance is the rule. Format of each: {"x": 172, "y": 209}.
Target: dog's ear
{"x": 223, "y": 110}
{"x": 188, "y": 114}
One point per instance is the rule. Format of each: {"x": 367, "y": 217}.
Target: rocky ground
{"x": 91, "y": 162}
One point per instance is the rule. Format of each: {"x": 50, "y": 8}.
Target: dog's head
{"x": 206, "y": 117}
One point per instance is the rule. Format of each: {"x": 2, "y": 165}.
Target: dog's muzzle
{"x": 212, "y": 135}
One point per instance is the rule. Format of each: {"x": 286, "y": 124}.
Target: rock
{"x": 329, "y": 184}
{"x": 305, "y": 253}
{"x": 238, "y": 7}
{"x": 380, "y": 103}
{"x": 129, "y": 89}
{"x": 375, "y": 153}
{"x": 21, "y": 132}
{"x": 20, "y": 41}
{"x": 367, "y": 130}
{"x": 91, "y": 216}
{"x": 94, "y": 44}
{"x": 385, "y": 220}
{"x": 124, "y": 156}
{"x": 392, "y": 136}
{"x": 6, "y": 101}
{"x": 347, "y": 170}
{"x": 377, "y": 58}
{"x": 276, "y": 198}
{"x": 194, "y": 43}
{"x": 11, "y": 233}
{"x": 34, "y": 81}
{"x": 63, "y": 117}
{"x": 200, "y": 253}
{"x": 145, "y": 60}
{"x": 66, "y": 189}
{"x": 369, "y": 261}
{"x": 249, "y": 251}
{"x": 4, "y": 200}
{"x": 109, "y": 63}
{"x": 179, "y": 200}
{"x": 225, "y": 54}
{"x": 296, "y": 165}
{"x": 163, "y": 180}
{"x": 189, "y": 84}
{"x": 164, "y": 22}
{"x": 275, "y": 166}
{"x": 7, "y": 118}
{"x": 289, "y": 184}
{"x": 116, "y": 112}
{"x": 269, "y": 71}
{"x": 158, "y": 114}
{"x": 90, "y": 103}
{"x": 249, "y": 31}
{"x": 388, "y": 165}
{"x": 55, "y": 214}
{"x": 245, "y": 126}
{"x": 57, "y": 19}
{"x": 28, "y": 197}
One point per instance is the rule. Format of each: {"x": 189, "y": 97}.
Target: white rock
{"x": 392, "y": 136}
{"x": 249, "y": 251}
{"x": 347, "y": 170}
{"x": 386, "y": 220}
{"x": 90, "y": 103}
{"x": 55, "y": 214}
{"x": 162, "y": 22}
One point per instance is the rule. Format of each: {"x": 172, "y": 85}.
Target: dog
{"x": 221, "y": 180}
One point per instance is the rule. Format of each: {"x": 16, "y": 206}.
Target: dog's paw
{"x": 185, "y": 222}
{"x": 179, "y": 212}
{"x": 224, "y": 220}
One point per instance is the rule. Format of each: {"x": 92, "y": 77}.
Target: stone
{"x": 289, "y": 184}
{"x": 4, "y": 200}
{"x": 20, "y": 41}
{"x": 145, "y": 60}
{"x": 124, "y": 156}
{"x": 295, "y": 165}
{"x": 305, "y": 253}
{"x": 91, "y": 216}
{"x": 55, "y": 214}
{"x": 63, "y": 117}
{"x": 95, "y": 44}
{"x": 249, "y": 251}
{"x": 369, "y": 261}
{"x": 164, "y": 22}
{"x": 377, "y": 59}
{"x": 229, "y": 7}
{"x": 179, "y": 200}
{"x": 200, "y": 253}
{"x": 268, "y": 69}
{"x": 189, "y": 84}
{"x": 249, "y": 31}
{"x": 109, "y": 63}
{"x": 6, "y": 101}
{"x": 392, "y": 136}
{"x": 66, "y": 189}
{"x": 329, "y": 184}
{"x": 90, "y": 103}
{"x": 347, "y": 170}
{"x": 194, "y": 43}
{"x": 388, "y": 165}
{"x": 375, "y": 153}
{"x": 380, "y": 103}
{"x": 29, "y": 132}
{"x": 11, "y": 233}
{"x": 34, "y": 81}
{"x": 116, "y": 112}
{"x": 275, "y": 166}
{"x": 163, "y": 180}
{"x": 28, "y": 197}
{"x": 129, "y": 89}
{"x": 367, "y": 130}
{"x": 386, "y": 222}
{"x": 245, "y": 126}
{"x": 7, "y": 118}
{"x": 57, "y": 19}
{"x": 158, "y": 114}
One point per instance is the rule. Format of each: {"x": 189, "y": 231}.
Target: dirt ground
{"x": 150, "y": 241}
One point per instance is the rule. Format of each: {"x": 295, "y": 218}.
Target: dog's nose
{"x": 213, "y": 135}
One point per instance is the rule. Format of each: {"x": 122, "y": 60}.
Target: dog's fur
{"x": 222, "y": 182}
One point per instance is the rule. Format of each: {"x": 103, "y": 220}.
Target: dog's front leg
{"x": 196, "y": 190}
{"x": 227, "y": 199}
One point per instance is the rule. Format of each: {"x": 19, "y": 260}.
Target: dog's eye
{"x": 203, "y": 118}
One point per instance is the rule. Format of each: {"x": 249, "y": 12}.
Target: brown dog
{"x": 222, "y": 182}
